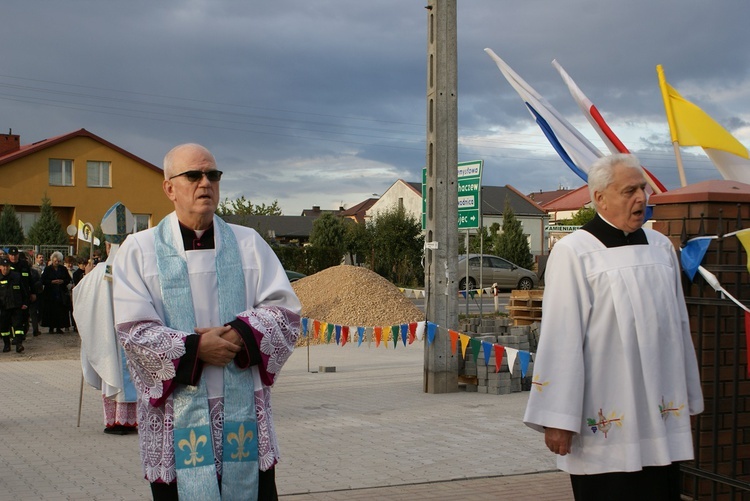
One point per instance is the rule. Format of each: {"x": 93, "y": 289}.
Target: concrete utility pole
{"x": 441, "y": 239}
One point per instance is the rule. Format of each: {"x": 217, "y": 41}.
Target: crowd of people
{"x": 36, "y": 293}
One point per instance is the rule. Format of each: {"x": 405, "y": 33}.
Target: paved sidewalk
{"x": 366, "y": 431}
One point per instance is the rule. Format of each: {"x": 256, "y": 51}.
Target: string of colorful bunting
{"x": 419, "y": 293}
{"x": 415, "y": 331}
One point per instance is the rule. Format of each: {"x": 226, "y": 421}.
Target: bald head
{"x": 173, "y": 160}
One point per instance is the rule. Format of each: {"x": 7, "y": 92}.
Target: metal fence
{"x": 721, "y": 470}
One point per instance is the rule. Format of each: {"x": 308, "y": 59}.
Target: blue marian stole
{"x": 194, "y": 455}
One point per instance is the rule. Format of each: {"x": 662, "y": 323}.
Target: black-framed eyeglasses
{"x": 196, "y": 175}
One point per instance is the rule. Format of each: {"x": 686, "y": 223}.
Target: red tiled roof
{"x": 571, "y": 200}
{"x": 543, "y": 197}
{"x": 28, "y": 149}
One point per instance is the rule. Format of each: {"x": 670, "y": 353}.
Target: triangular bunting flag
{"x": 394, "y": 333}
{"x": 475, "y": 344}
{"x": 329, "y": 332}
{"x": 404, "y": 332}
{"x": 692, "y": 254}
{"x": 360, "y": 335}
{"x": 303, "y": 322}
{"x": 744, "y": 238}
{"x": 431, "y": 329}
{"x": 512, "y": 354}
{"x": 524, "y": 357}
{"x": 412, "y": 332}
{"x": 338, "y": 334}
{"x": 464, "y": 343}
{"x": 420, "y": 330}
{"x": 378, "y": 335}
{"x": 454, "y": 341}
{"x": 344, "y": 335}
{"x": 487, "y": 350}
{"x": 499, "y": 350}
{"x": 316, "y": 329}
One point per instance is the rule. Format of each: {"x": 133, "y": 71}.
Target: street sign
{"x": 469, "y": 188}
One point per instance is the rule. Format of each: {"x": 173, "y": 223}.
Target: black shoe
{"x": 59, "y": 331}
{"x": 6, "y": 347}
{"x": 51, "y": 331}
{"x": 19, "y": 348}
{"x": 36, "y": 333}
{"x": 117, "y": 429}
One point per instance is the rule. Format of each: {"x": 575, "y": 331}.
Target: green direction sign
{"x": 469, "y": 203}
{"x": 469, "y": 184}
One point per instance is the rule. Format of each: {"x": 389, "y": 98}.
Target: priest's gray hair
{"x": 58, "y": 255}
{"x": 602, "y": 171}
{"x": 169, "y": 157}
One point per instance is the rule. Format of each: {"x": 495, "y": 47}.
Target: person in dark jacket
{"x": 14, "y": 299}
{"x": 55, "y": 297}
{"x": 19, "y": 264}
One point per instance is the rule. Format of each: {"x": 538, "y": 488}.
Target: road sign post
{"x": 469, "y": 201}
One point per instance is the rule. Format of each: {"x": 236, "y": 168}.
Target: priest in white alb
{"x": 102, "y": 358}
{"x": 615, "y": 376}
{"x": 207, "y": 319}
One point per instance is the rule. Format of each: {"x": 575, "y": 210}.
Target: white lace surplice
{"x": 154, "y": 349}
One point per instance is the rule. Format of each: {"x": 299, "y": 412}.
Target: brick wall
{"x": 722, "y": 432}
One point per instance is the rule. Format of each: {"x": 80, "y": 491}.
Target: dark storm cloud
{"x": 332, "y": 93}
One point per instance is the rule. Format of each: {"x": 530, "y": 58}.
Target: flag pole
{"x": 91, "y": 259}
{"x": 671, "y": 122}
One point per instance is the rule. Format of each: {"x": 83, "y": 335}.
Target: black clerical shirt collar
{"x": 614, "y": 237}
{"x": 191, "y": 241}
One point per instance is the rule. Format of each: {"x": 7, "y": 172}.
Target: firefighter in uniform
{"x": 30, "y": 280}
{"x": 14, "y": 298}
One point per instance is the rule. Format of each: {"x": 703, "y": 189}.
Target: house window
{"x": 141, "y": 221}
{"x": 60, "y": 172}
{"x": 97, "y": 174}
{"x": 27, "y": 220}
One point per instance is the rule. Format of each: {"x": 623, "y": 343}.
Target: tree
{"x": 583, "y": 216}
{"x": 358, "y": 242}
{"x": 328, "y": 231}
{"x": 47, "y": 230}
{"x": 398, "y": 247}
{"x": 512, "y": 243}
{"x": 327, "y": 237}
{"x": 11, "y": 231}
{"x": 243, "y": 207}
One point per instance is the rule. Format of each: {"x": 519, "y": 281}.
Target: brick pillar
{"x": 722, "y": 433}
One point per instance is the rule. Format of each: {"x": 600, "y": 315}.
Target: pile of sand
{"x": 354, "y": 296}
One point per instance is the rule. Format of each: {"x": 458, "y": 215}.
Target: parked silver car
{"x": 494, "y": 270}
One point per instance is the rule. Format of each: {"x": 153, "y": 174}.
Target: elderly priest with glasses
{"x": 207, "y": 318}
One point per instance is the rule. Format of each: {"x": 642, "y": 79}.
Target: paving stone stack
{"x": 498, "y": 330}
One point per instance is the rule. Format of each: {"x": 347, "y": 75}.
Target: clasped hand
{"x": 218, "y": 345}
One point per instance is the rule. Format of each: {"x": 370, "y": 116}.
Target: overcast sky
{"x": 323, "y": 103}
